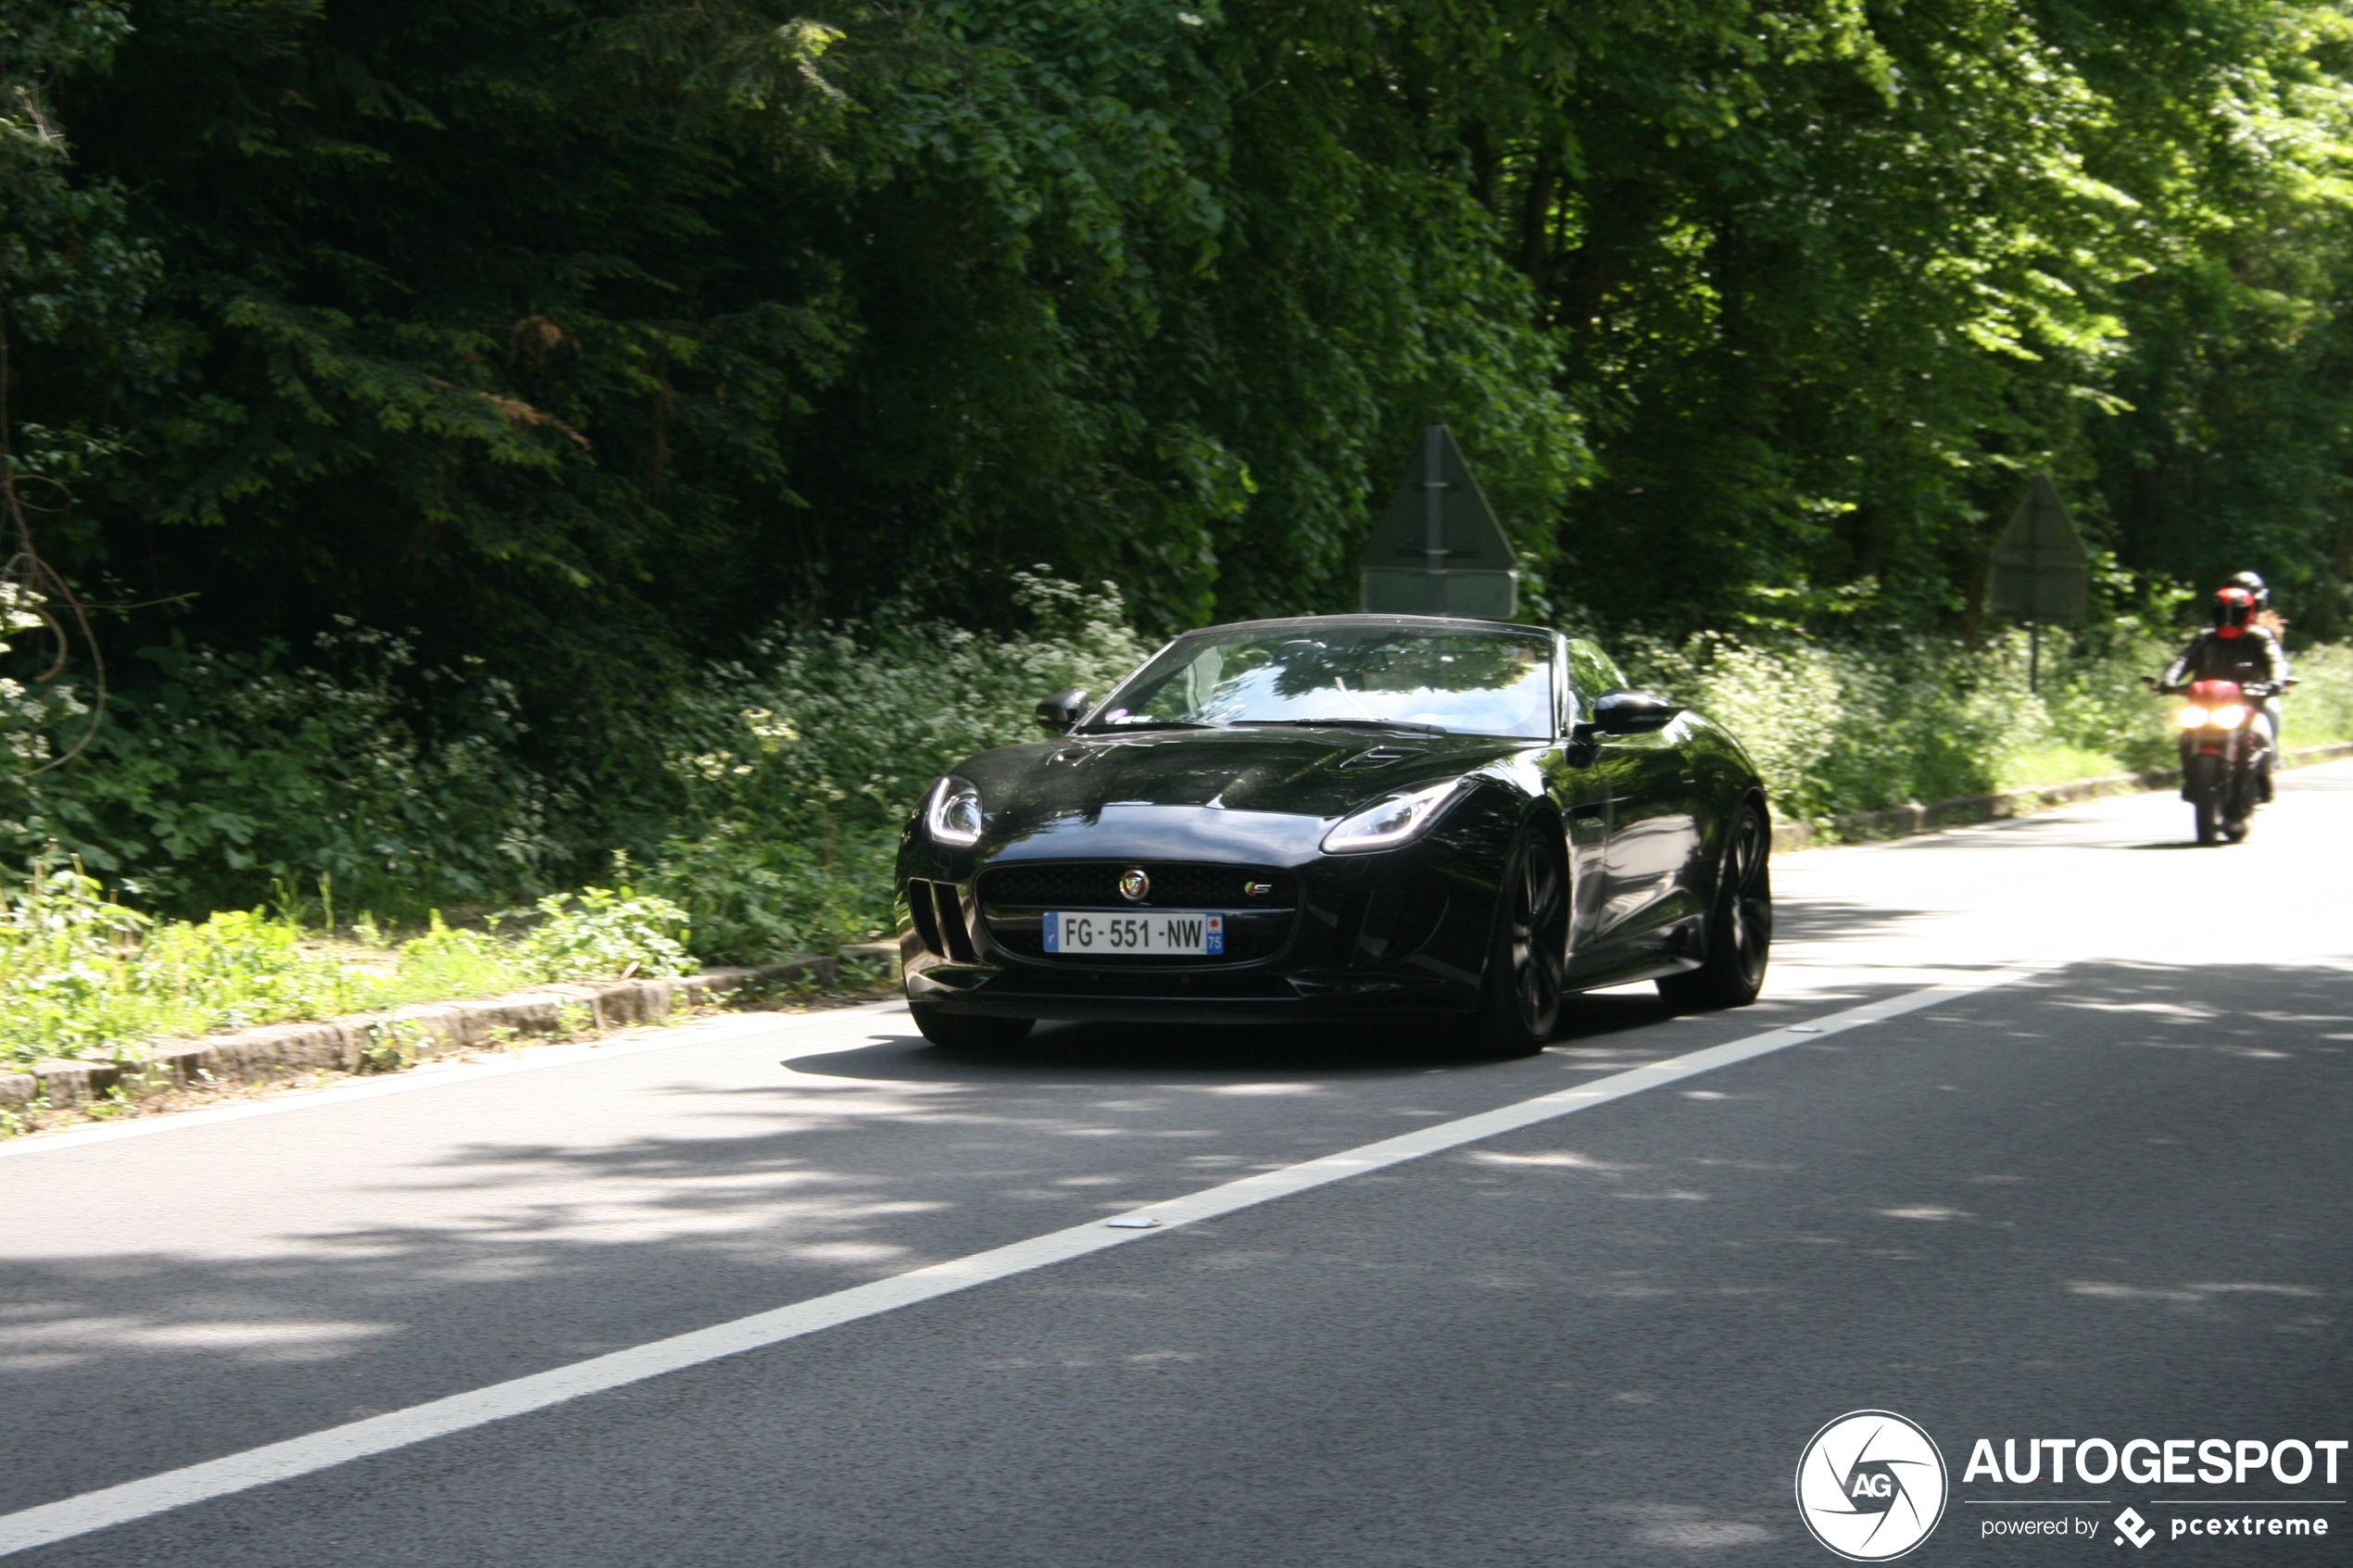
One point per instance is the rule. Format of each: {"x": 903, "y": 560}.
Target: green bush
{"x": 2321, "y": 709}
{"x": 84, "y": 977}
{"x": 762, "y": 795}
{"x": 799, "y": 766}
{"x": 607, "y": 930}
{"x": 396, "y": 784}
{"x": 1855, "y": 724}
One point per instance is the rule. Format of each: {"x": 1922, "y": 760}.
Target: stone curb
{"x": 429, "y": 1029}
{"x": 1899, "y": 821}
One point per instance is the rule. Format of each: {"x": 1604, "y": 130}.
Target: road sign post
{"x": 2041, "y": 570}
{"x": 1438, "y": 549}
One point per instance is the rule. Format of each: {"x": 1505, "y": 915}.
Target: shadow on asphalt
{"x": 1813, "y": 920}
{"x": 1368, "y": 1049}
{"x": 1340, "y": 1050}
{"x": 911, "y": 1155}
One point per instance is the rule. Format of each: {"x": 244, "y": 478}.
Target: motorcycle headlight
{"x": 2190, "y": 717}
{"x": 2228, "y": 717}
{"x": 952, "y": 814}
{"x": 1388, "y": 823}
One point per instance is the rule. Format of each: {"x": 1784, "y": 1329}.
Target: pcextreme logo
{"x": 1871, "y": 1485}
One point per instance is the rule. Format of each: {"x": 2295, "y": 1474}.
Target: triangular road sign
{"x": 1438, "y": 549}
{"x": 2041, "y": 569}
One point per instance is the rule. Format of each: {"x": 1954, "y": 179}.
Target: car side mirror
{"x": 1063, "y": 709}
{"x": 1632, "y": 714}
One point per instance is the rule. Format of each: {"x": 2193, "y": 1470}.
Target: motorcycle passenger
{"x": 2272, "y": 622}
{"x": 2238, "y": 648}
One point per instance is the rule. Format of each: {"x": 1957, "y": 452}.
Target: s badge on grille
{"x": 1256, "y": 889}
{"x": 1134, "y": 884}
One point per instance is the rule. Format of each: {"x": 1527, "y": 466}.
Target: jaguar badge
{"x": 1134, "y": 884}
{"x": 1257, "y": 889}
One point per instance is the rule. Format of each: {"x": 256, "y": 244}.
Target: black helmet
{"x": 2254, "y": 585}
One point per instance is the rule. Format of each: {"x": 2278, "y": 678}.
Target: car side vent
{"x": 1349, "y": 928}
{"x": 1416, "y": 920}
{"x": 925, "y": 916}
{"x": 952, "y": 923}
{"x": 1382, "y": 756}
{"x": 1392, "y": 923}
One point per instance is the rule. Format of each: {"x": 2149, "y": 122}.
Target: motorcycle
{"x": 2226, "y": 755}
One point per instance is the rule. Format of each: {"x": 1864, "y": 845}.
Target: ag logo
{"x": 1871, "y": 1486}
{"x": 1134, "y": 884}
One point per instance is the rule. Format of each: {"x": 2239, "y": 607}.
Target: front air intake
{"x": 949, "y": 907}
{"x": 937, "y": 911}
{"x": 925, "y": 916}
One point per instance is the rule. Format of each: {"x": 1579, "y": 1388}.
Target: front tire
{"x": 2201, "y": 782}
{"x": 1740, "y": 925}
{"x": 2246, "y": 794}
{"x": 970, "y": 1032}
{"x": 1519, "y": 1001}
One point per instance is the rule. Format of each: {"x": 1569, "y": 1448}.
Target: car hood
{"x": 1322, "y": 775}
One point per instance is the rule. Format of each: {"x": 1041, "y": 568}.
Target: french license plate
{"x": 1194, "y": 932}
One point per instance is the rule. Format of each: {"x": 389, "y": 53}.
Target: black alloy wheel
{"x": 1520, "y": 1002}
{"x": 970, "y": 1032}
{"x": 1738, "y": 937}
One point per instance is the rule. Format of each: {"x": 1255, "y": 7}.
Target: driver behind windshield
{"x": 1378, "y": 678}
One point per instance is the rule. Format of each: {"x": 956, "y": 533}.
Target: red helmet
{"x": 2232, "y": 609}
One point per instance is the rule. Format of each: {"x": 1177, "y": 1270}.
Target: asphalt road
{"x": 2109, "y": 1198}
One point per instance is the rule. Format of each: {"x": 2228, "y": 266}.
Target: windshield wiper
{"x": 1146, "y": 724}
{"x": 1353, "y": 724}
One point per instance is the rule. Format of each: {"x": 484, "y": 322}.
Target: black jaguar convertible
{"x": 1334, "y": 817}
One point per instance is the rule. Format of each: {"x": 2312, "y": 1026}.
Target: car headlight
{"x": 2228, "y": 718}
{"x": 2190, "y": 717}
{"x": 1388, "y": 823}
{"x": 952, "y": 814}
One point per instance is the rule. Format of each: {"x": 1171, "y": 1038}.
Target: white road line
{"x": 299, "y": 1456}
{"x": 435, "y": 1076}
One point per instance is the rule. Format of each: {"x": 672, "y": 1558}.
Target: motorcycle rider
{"x": 2272, "y": 622}
{"x": 2238, "y": 648}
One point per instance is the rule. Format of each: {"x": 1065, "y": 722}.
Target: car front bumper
{"x": 1404, "y": 931}
{"x": 1258, "y": 996}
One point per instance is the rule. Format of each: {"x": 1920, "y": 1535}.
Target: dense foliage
{"x": 460, "y": 415}
{"x": 763, "y": 797}
{"x": 590, "y": 336}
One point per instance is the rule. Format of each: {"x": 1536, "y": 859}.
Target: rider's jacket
{"x": 2254, "y": 655}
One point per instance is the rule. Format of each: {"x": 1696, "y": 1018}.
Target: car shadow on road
{"x": 1375, "y": 1047}
{"x": 1354, "y": 1050}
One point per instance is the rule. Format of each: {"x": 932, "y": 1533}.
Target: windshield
{"x": 1373, "y": 677}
